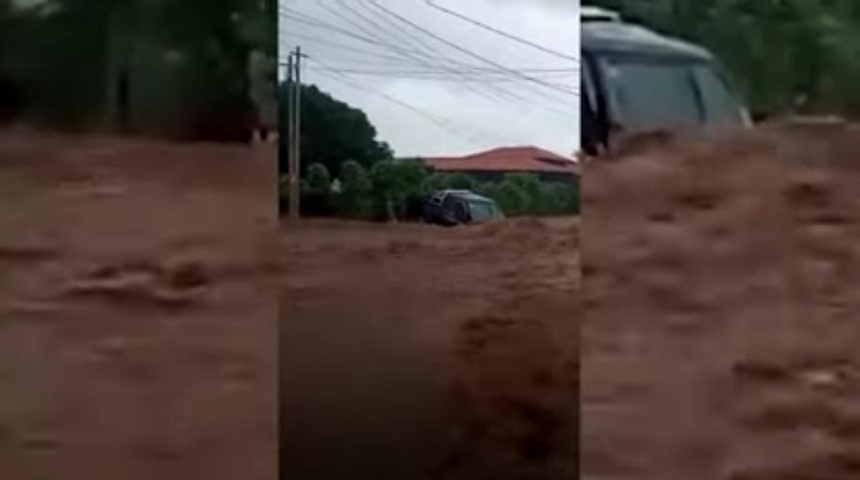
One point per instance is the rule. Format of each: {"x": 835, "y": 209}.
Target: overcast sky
{"x": 483, "y": 92}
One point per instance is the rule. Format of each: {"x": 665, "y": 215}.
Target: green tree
{"x": 317, "y": 179}
{"x": 461, "y": 181}
{"x": 530, "y": 187}
{"x": 785, "y": 55}
{"x": 356, "y": 188}
{"x": 146, "y": 65}
{"x": 512, "y": 199}
{"x": 395, "y": 183}
{"x": 557, "y": 198}
{"x": 316, "y": 194}
{"x": 436, "y": 181}
{"x": 490, "y": 190}
{"x": 332, "y": 132}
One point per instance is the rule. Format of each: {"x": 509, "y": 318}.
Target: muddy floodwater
{"x": 418, "y": 352}
{"x": 721, "y": 292}
{"x": 145, "y": 288}
{"x": 137, "y": 313}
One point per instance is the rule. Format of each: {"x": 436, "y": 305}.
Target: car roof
{"x": 629, "y": 39}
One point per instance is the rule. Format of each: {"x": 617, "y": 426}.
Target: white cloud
{"x": 474, "y": 114}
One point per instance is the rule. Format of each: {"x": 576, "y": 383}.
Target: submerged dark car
{"x": 636, "y": 81}
{"x": 459, "y": 207}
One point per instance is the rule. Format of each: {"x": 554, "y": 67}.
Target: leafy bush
{"x": 356, "y": 186}
{"x": 394, "y": 183}
{"x": 460, "y": 181}
{"x": 317, "y": 199}
{"x": 317, "y": 180}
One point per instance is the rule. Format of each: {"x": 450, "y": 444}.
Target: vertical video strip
{"x": 137, "y": 219}
{"x": 720, "y": 232}
{"x": 429, "y": 231}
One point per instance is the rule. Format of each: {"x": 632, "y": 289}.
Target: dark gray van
{"x": 460, "y": 207}
{"x": 636, "y": 81}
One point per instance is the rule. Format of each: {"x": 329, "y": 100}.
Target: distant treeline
{"x": 347, "y": 172}
{"x": 177, "y": 68}
{"x": 786, "y": 56}
{"x": 366, "y": 194}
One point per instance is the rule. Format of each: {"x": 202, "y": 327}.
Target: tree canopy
{"x": 332, "y": 132}
{"x": 144, "y": 65}
{"x": 783, "y": 54}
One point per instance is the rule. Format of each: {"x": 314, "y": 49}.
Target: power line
{"x": 401, "y": 62}
{"x": 490, "y": 92}
{"x": 507, "y": 35}
{"x": 412, "y": 68}
{"x": 441, "y": 122}
{"x": 405, "y": 70}
{"x": 346, "y": 47}
{"x": 398, "y": 69}
{"x": 429, "y": 75}
{"x": 430, "y": 118}
{"x": 424, "y": 57}
{"x": 433, "y": 57}
{"x": 308, "y": 20}
{"x": 414, "y": 55}
{"x": 469, "y": 52}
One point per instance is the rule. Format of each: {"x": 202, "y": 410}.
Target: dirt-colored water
{"x": 416, "y": 352}
{"x": 137, "y": 314}
{"x": 722, "y": 310}
{"x": 142, "y": 281}
{"x": 140, "y": 284}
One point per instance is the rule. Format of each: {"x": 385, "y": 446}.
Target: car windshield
{"x": 482, "y": 211}
{"x": 656, "y": 95}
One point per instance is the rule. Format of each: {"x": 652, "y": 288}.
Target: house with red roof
{"x": 494, "y": 164}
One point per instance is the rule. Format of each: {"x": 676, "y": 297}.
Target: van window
{"x": 482, "y": 211}
{"x": 720, "y": 106}
{"x": 589, "y": 85}
{"x": 646, "y": 96}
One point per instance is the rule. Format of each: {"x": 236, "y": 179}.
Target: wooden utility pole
{"x": 295, "y": 187}
{"x": 290, "y": 135}
{"x": 294, "y": 118}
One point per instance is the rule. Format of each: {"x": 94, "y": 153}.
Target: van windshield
{"x": 719, "y": 104}
{"x": 646, "y": 95}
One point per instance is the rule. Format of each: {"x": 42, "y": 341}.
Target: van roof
{"x": 597, "y": 14}
{"x": 625, "y": 38}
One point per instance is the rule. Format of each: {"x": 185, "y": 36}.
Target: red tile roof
{"x": 507, "y": 159}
